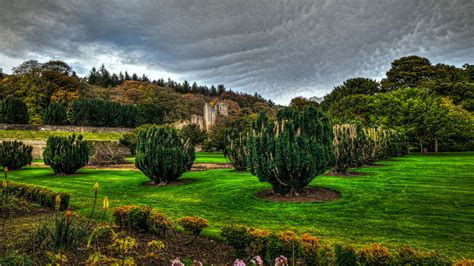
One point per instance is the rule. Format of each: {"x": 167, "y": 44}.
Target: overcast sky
{"x": 280, "y": 49}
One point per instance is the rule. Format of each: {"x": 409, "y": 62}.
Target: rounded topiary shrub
{"x": 162, "y": 155}
{"x": 66, "y": 155}
{"x": 290, "y": 152}
{"x": 15, "y": 154}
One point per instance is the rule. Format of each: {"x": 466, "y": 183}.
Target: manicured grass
{"x": 210, "y": 157}
{"x": 422, "y": 201}
{"x": 43, "y": 135}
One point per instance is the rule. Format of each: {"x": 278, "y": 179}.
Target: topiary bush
{"x": 345, "y": 147}
{"x": 162, "y": 155}
{"x": 66, "y": 155}
{"x": 55, "y": 114}
{"x": 15, "y": 154}
{"x": 236, "y": 149}
{"x": 13, "y": 111}
{"x": 291, "y": 151}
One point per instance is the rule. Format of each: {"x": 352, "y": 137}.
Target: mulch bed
{"x": 308, "y": 195}
{"x": 171, "y": 184}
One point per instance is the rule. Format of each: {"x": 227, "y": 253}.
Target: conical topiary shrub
{"x": 15, "y": 154}
{"x": 162, "y": 155}
{"x": 290, "y": 152}
{"x": 66, "y": 155}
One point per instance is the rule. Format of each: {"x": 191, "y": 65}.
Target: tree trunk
{"x": 421, "y": 148}
{"x": 436, "y": 145}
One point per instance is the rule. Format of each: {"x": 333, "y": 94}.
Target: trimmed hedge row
{"x": 309, "y": 250}
{"x": 42, "y": 196}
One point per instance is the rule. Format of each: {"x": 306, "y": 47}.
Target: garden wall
{"x": 65, "y": 128}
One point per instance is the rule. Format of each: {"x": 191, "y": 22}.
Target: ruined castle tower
{"x": 211, "y": 113}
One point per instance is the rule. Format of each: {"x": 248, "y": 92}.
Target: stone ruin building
{"x": 211, "y": 112}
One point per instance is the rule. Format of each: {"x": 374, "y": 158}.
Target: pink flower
{"x": 257, "y": 260}
{"x": 281, "y": 261}
{"x": 238, "y": 262}
{"x": 177, "y": 262}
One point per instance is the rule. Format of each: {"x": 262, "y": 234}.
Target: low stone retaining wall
{"x": 64, "y": 128}
{"x": 39, "y": 145}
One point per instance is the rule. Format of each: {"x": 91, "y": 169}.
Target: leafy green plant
{"x": 289, "y": 152}
{"x": 55, "y": 114}
{"x": 66, "y": 155}
{"x": 162, "y": 155}
{"x": 15, "y": 154}
{"x": 236, "y": 149}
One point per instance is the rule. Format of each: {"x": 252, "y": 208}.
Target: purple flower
{"x": 239, "y": 262}
{"x": 257, "y": 260}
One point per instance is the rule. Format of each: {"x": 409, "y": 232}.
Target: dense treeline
{"x": 39, "y": 85}
{"x": 433, "y": 104}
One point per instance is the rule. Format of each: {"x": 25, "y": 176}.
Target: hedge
{"x": 41, "y": 196}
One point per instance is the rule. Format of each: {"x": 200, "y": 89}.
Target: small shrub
{"x": 55, "y": 114}
{"x": 410, "y": 256}
{"x": 257, "y": 241}
{"x": 193, "y": 225}
{"x": 15, "y": 154}
{"x": 13, "y": 111}
{"x": 283, "y": 244}
{"x": 66, "y": 155}
{"x": 344, "y": 255}
{"x": 237, "y": 237}
{"x": 162, "y": 155}
{"x": 310, "y": 249}
{"x": 142, "y": 219}
{"x": 375, "y": 255}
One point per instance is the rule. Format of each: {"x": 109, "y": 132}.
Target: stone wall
{"x": 65, "y": 128}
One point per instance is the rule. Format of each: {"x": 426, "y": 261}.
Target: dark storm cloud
{"x": 279, "y": 48}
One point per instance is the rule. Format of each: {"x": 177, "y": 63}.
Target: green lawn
{"x": 43, "y": 135}
{"x": 210, "y": 157}
{"x": 422, "y": 201}
{"x": 201, "y": 157}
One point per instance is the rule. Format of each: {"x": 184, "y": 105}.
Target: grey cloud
{"x": 278, "y": 48}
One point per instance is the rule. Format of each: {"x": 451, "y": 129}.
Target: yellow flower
{"x": 106, "y": 203}
{"x": 96, "y": 188}
{"x": 58, "y": 202}
{"x": 68, "y": 216}
{"x": 5, "y": 169}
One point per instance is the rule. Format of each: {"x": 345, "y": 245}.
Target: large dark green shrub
{"x": 13, "y": 111}
{"x": 162, "y": 155}
{"x": 345, "y": 147}
{"x": 66, "y": 155}
{"x": 15, "y": 154}
{"x": 100, "y": 113}
{"x": 55, "y": 114}
{"x": 236, "y": 149}
{"x": 291, "y": 151}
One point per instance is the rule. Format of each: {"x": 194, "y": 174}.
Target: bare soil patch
{"x": 311, "y": 194}
{"x": 348, "y": 174}
{"x": 171, "y": 184}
